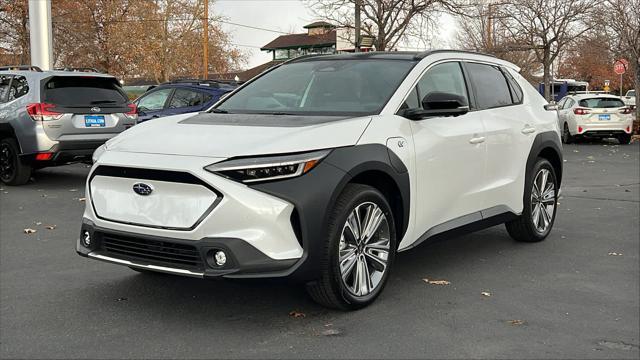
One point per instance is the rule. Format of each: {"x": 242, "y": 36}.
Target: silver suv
{"x": 51, "y": 118}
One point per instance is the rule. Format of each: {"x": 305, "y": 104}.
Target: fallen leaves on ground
{"x": 73, "y": 190}
{"x": 436, "y": 282}
{"x": 51, "y": 227}
{"x": 297, "y": 314}
{"x": 38, "y": 223}
{"x": 615, "y": 254}
{"x": 30, "y": 231}
{"x": 82, "y": 199}
{"x": 516, "y": 322}
{"x": 486, "y": 293}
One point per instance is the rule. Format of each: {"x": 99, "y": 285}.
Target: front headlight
{"x": 98, "y": 152}
{"x": 256, "y": 169}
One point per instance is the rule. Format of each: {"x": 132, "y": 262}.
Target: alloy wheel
{"x": 543, "y": 200}
{"x": 364, "y": 249}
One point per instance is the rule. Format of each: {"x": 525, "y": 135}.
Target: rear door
{"x": 186, "y": 101}
{"x": 84, "y": 107}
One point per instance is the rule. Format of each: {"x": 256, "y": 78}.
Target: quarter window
{"x": 19, "y": 88}
{"x": 514, "y": 87}
{"x": 490, "y": 86}
{"x": 5, "y": 82}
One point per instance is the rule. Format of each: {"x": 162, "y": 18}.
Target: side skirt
{"x": 466, "y": 224}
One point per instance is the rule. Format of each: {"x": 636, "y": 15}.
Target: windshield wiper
{"x": 275, "y": 113}
{"x": 218, "y": 111}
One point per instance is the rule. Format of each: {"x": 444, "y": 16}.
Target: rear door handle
{"x": 528, "y": 129}
{"x": 477, "y": 140}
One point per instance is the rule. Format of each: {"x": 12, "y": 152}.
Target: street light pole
{"x": 40, "y": 34}
{"x": 357, "y": 25}
{"x": 205, "y": 42}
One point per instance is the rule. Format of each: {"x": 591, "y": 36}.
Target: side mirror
{"x": 439, "y": 104}
{"x": 551, "y": 107}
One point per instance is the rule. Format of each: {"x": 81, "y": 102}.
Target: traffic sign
{"x": 607, "y": 83}
{"x": 620, "y": 67}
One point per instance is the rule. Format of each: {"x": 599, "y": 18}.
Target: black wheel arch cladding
{"x": 316, "y": 192}
{"x": 546, "y": 145}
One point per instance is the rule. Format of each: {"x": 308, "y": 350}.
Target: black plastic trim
{"x": 545, "y": 140}
{"x": 243, "y": 260}
{"x": 315, "y": 193}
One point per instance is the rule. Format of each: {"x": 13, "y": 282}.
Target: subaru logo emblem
{"x": 142, "y": 189}
{"x": 95, "y": 109}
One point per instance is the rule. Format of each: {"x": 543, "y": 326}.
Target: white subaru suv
{"x": 325, "y": 167}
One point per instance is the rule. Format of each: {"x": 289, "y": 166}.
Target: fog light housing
{"x": 220, "y": 258}
{"x": 86, "y": 238}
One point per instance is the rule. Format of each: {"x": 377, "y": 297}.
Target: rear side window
{"x": 601, "y": 103}
{"x": 490, "y": 86}
{"x": 84, "y": 91}
{"x": 154, "y": 100}
{"x": 185, "y": 98}
{"x": 5, "y": 82}
{"x": 19, "y": 87}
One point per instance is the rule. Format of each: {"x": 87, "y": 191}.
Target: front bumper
{"x": 179, "y": 257}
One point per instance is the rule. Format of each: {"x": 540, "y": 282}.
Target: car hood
{"x": 230, "y": 135}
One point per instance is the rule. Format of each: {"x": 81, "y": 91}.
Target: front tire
{"x": 359, "y": 251}
{"x": 540, "y": 199}
{"x": 12, "y": 170}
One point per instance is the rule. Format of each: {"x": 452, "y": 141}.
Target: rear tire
{"x": 355, "y": 264}
{"x": 567, "y": 138}
{"x": 624, "y": 139}
{"x": 12, "y": 170}
{"x": 540, "y": 199}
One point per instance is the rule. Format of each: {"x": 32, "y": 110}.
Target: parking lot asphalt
{"x": 575, "y": 295}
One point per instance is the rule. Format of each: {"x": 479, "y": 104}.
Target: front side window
{"x": 155, "y": 100}
{"x": 490, "y": 86}
{"x": 445, "y": 78}
{"x": 322, "y": 87}
{"x": 185, "y": 98}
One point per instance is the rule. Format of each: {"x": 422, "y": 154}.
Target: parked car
{"x": 180, "y": 97}
{"x": 55, "y": 117}
{"x": 321, "y": 169}
{"x": 596, "y": 116}
{"x": 630, "y": 98}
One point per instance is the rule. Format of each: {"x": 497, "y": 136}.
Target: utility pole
{"x": 40, "y": 34}
{"x": 490, "y": 27}
{"x": 358, "y": 25}
{"x": 205, "y": 41}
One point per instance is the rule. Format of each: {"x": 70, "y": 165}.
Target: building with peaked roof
{"x": 320, "y": 38}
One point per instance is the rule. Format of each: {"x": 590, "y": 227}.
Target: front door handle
{"x": 528, "y": 129}
{"x": 477, "y": 140}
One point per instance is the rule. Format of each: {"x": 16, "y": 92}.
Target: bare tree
{"x": 14, "y": 31}
{"x": 624, "y": 23}
{"x": 389, "y": 21}
{"x": 546, "y": 27}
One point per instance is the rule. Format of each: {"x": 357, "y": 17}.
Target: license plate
{"x": 604, "y": 117}
{"x": 94, "y": 121}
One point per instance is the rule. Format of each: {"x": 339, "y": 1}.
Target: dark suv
{"x": 180, "y": 97}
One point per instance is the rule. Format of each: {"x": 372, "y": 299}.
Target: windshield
{"x": 601, "y": 103}
{"x": 322, "y": 87}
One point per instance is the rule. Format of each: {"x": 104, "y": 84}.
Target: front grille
{"x": 152, "y": 251}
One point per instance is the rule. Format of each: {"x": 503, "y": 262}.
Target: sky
{"x": 281, "y": 16}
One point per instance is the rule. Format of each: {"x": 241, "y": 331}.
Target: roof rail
{"x": 20, "y": 67}
{"x": 77, "y": 69}
{"x": 424, "y": 54}
{"x": 208, "y": 82}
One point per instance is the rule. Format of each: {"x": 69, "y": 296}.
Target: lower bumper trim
{"x": 148, "y": 267}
